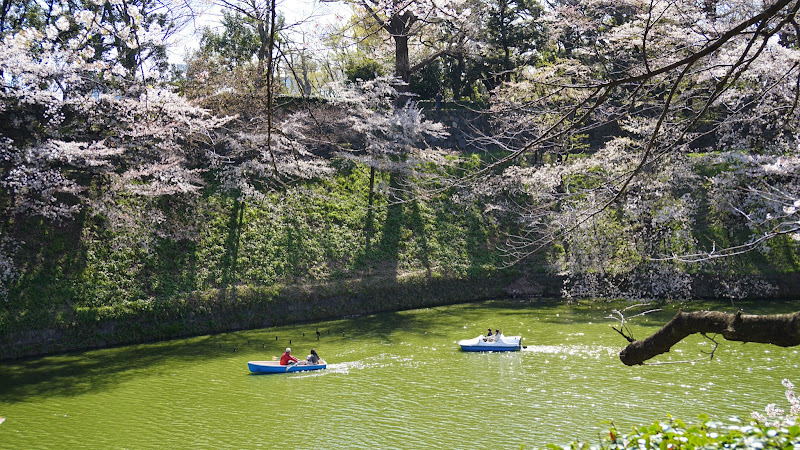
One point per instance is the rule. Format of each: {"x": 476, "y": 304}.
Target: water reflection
{"x": 397, "y": 378}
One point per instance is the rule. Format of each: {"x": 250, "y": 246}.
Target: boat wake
{"x": 346, "y": 367}
{"x": 379, "y": 361}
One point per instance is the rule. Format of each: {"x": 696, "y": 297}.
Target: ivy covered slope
{"x": 182, "y": 264}
{"x": 211, "y": 262}
{"x": 127, "y": 212}
{"x": 679, "y": 233}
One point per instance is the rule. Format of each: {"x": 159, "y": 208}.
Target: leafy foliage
{"x": 314, "y": 233}
{"x": 363, "y": 70}
{"x": 675, "y": 433}
{"x": 777, "y": 431}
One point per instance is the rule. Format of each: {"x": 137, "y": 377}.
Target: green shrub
{"x": 363, "y": 70}
{"x": 708, "y": 434}
{"x": 777, "y": 429}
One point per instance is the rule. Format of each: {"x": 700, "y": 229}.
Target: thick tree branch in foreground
{"x": 779, "y": 329}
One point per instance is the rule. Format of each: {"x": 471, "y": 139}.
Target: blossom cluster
{"x": 778, "y": 417}
{"x": 8, "y": 270}
{"x": 654, "y": 117}
{"x": 75, "y": 116}
{"x": 380, "y": 135}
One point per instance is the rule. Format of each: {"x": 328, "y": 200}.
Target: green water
{"x": 395, "y": 380}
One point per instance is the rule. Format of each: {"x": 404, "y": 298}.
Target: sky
{"x": 295, "y": 11}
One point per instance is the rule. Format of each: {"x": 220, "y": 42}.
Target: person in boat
{"x": 488, "y": 335}
{"x": 313, "y": 358}
{"x": 287, "y": 357}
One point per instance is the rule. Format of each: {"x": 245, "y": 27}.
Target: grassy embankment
{"x": 180, "y": 266}
{"x": 177, "y": 266}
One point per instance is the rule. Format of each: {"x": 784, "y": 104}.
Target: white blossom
{"x": 119, "y": 70}
{"x": 52, "y": 32}
{"x": 62, "y": 23}
{"x": 777, "y": 417}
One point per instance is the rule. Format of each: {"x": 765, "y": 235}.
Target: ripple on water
{"x": 400, "y": 381}
{"x": 573, "y": 350}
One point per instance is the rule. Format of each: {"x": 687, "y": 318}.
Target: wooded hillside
{"x": 624, "y": 147}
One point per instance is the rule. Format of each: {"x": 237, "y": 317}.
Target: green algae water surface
{"x": 394, "y": 380}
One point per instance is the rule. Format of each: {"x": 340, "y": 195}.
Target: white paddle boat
{"x": 494, "y": 343}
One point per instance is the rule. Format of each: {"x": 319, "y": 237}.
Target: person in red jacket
{"x": 287, "y": 357}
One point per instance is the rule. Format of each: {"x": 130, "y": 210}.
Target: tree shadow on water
{"x": 382, "y": 325}
{"x": 74, "y": 374}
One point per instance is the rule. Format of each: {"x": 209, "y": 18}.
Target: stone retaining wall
{"x": 226, "y": 314}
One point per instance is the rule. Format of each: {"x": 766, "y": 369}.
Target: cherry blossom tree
{"x": 679, "y": 98}
{"x": 361, "y": 124}
{"x": 59, "y": 101}
{"x": 662, "y": 83}
{"x": 79, "y": 129}
{"x": 405, "y": 21}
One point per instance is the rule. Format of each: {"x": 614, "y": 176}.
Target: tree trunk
{"x": 402, "y": 69}
{"x": 507, "y": 66}
{"x": 271, "y": 63}
{"x": 370, "y": 198}
{"x": 306, "y": 81}
{"x": 782, "y": 330}
{"x": 264, "y": 54}
{"x": 455, "y": 77}
{"x": 399, "y": 27}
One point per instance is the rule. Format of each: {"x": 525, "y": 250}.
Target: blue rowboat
{"x": 276, "y": 367}
{"x": 496, "y": 343}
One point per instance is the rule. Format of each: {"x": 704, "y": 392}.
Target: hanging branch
{"x": 713, "y": 350}
{"x": 782, "y": 330}
{"x": 690, "y": 361}
{"x": 760, "y": 28}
